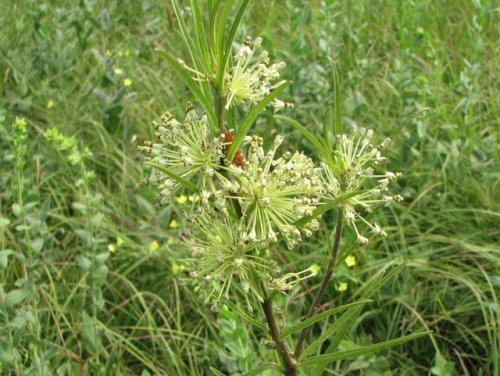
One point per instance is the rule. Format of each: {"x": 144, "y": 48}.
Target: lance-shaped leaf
{"x": 350, "y": 354}
{"x": 250, "y": 118}
{"x": 319, "y": 317}
{"x": 326, "y": 207}
{"x": 177, "y": 178}
{"x": 246, "y": 317}
{"x": 258, "y": 370}
{"x": 195, "y": 89}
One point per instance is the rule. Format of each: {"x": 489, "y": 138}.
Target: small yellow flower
{"x": 50, "y": 104}
{"x": 350, "y": 261}
{"x": 194, "y": 198}
{"x": 153, "y": 246}
{"x": 342, "y": 287}
{"x": 127, "y": 82}
{"x": 181, "y": 199}
{"x": 173, "y": 224}
{"x": 111, "y": 248}
{"x": 176, "y": 268}
{"x": 314, "y": 269}
{"x": 218, "y": 238}
{"x": 118, "y": 71}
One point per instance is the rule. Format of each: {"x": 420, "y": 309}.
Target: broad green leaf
{"x": 84, "y": 263}
{"x": 194, "y": 87}
{"x": 326, "y": 207}
{"x": 319, "y": 317}
{"x": 4, "y": 258}
{"x": 4, "y": 222}
{"x": 250, "y": 118}
{"x": 176, "y": 177}
{"x": 15, "y": 297}
{"x": 349, "y": 354}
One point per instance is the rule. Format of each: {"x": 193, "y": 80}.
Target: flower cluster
{"x": 252, "y": 77}
{"x": 186, "y": 150}
{"x": 219, "y": 256}
{"x": 274, "y": 193}
{"x": 357, "y": 159}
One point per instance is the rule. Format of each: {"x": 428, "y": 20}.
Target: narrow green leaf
{"x": 243, "y": 315}
{"x": 195, "y": 56}
{"x": 326, "y": 207}
{"x": 200, "y": 32}
{"x": 319, "y": 317}
{"x": 349, "y": 354}
{"x": 215, "y": 372}
{"x": 176, "y": 177}
{"x": 195, "y": 89}
{"x": 223, "y": 60}
{"x": 312, "y": 139}
{"x": 337, "y": 121}
{"x": 250, "y": 118}
{"x": 344, "y": 322}
{"x": 258, "y": 370}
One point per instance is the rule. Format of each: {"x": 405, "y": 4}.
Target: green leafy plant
{"x": 253, "y": 198}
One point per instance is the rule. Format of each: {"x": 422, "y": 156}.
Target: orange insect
{"x": 239, "y": 159}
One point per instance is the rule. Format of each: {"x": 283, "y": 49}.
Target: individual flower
{"x": 219, "y": 256}
{"x": 127, "y": 82}
{"x": 276, "y": 193}
{"x": 186, "y": 150}
{"x": 350, "y": 261}
{"x": 342, "y": 286}
{"x": 154, "y": 246}
{"x": 251, "y": 77}
{"x": 357, "y": 171}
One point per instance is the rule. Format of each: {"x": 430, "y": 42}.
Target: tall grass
{"x": 65, "y": 65}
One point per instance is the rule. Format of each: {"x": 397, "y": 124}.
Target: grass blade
{"x": 246, "y": 317}
{"x": 319, "y": 317}
{"x": 349, "y": 354}
{"x": 200, "y": 33}
{"x": 250, "y": 118}
{"x": 263, "y": 367}
{"x": 176, "y": 177}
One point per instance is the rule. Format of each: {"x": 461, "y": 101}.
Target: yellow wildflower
{"x": 342, "y": 286}
{"x": 173, "y": 224}
{"x": 181, "y": 199}
{"x": 127, "y": 82}
{"x": 176, "y": 268}
{"x": 153, "y": 246}
{"x": 350, "y": 261}
{"x": 50, "y": 104}
{"x": 111, "y": 248}
{"x": 119, "y": 241}
{"x": 194, "y": 198}
{"x": 118, "y": 71}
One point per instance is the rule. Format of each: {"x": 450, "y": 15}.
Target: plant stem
{"x": 267, "y": 307}
{"x": 324, "y": 284}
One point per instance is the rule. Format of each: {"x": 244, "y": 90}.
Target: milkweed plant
{"x": 253, "y": 195}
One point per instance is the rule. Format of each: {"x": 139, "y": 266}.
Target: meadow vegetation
{"x": 90, "y": 281}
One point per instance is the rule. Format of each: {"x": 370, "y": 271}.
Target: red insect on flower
{"x": 239, "y": 159}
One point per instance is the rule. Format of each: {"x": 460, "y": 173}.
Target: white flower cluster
{"x": 186, "y": 150}
{"x": 357, "y": 159}
{"x": 252, "y": 77}
{"x": 274, "y": 193}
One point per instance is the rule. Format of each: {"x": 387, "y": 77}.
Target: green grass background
{"x": 58, "y": 63}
